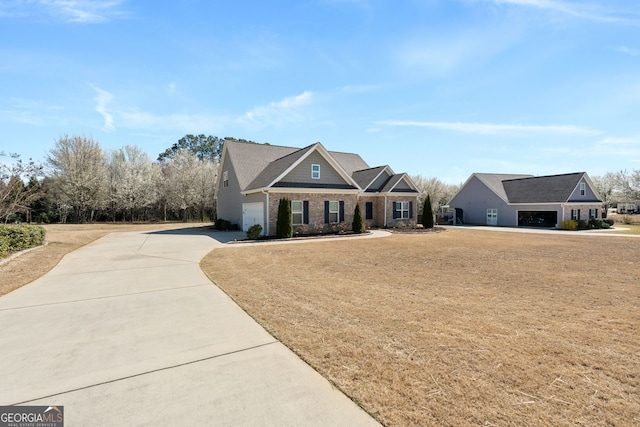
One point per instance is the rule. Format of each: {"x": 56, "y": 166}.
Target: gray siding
{"x": 588, "y": 196}
{"x": 402, "y": 185}
{"x": 380, "y": 181}
{"x": 229, "y": 198}
{"x": 475, "y": 198}
{"x": 302, "y": 173}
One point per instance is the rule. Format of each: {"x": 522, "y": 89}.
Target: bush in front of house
{"x": 427, "y": 213}
{"x": 254, "y": 231}
{"x": 15, "y": 238}
{"x": 358, "y": 222}
{"x": 569, "y": 224}
{"x": 284, "y": 226}
{"x": 609, "y": 221}
{"x": 224, "y": 225}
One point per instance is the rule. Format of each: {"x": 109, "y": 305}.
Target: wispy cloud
{"x": 103, "y": 98}
{"x": 277, "y": 113}
{"x": 495, "y": 129}
{"x": 80, "y": 11}
{"x": 579, "y": 10}
{"x": 628, "y": 50}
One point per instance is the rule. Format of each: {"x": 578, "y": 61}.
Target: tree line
{"x": 81, "y": 182}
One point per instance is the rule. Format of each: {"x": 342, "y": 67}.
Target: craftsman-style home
{"x": 526, "y": 200}
{"x": 323, "y": 187}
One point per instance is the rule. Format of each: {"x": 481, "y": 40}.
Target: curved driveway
{"x": 128, "y": 331}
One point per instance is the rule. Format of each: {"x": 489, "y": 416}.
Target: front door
{"x": 252, "y": 213}
{"x": 492, "y": 216}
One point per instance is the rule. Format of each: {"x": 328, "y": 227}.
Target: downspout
{"x": 266, "y": 226}
{"x": 385, "y": 210}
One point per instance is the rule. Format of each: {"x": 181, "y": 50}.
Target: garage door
{"x": 546, "y": 219}
{"x": 252, "y": 213}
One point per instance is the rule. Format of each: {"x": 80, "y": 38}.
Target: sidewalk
{"x": 129, "y": 331}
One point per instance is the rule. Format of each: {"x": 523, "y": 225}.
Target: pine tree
{"x": 427, "y": 213}
{"x": 284, "y": 227}
{"x": 358, "y": 222}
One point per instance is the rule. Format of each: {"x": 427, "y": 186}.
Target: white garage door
{"x": 252, "y": 213}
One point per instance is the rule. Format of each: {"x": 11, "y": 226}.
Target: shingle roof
{"x": 392, "y": 182}
{"x": 542, "y": 189}
{"x": 365, "y": 177}
{"x": 249, "y": 160}
{"x": 494, "y": 181}
{"x": 276, "y": 167}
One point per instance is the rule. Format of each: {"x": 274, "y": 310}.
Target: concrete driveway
{"x": 129, "y": 331}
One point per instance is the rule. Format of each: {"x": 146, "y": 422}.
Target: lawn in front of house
{"x": 464, "y": 327}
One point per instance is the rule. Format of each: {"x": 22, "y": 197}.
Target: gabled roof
{"x": 394, "y": 180}
{"x": 494, "y": 182}
{"x": 249, "y": 160}
{"x": 277, "y": 167}
{"x": 533, "y": 189}
{"x": 366, "y": 177}
{"x": 543, "y": 189}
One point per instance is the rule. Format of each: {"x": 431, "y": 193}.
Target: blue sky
{"x": 440, "y": 88}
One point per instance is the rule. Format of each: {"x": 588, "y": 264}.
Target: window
{"x": 575, "y": 214}
{"x": 315, "y": 171}
{"x": 583, "y": 188}
{"x": 297, "y": 212}
{"x": 402, "y": 210}
{"x": 593, "y": 213}
{"x": 225, "y": 179}
{"x": 334, "y": 212}
{"x": 368, "y": 209}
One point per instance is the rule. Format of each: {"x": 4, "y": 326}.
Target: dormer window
{"x": 583, "y": 188}
{"x": 315, "y": 171}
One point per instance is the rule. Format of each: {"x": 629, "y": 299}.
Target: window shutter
{"x": 341, "y": 210}
{"x": 396, "y": 214}
{"x": 410, "y": 209}
{"x": 326, "y": 212}
{"x": 305, "y": 212}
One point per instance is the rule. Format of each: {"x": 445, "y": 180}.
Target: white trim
{"x": 302, "y": 190}
{"x": 391, "y": 173}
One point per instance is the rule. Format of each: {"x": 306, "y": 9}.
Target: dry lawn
{"x": 465, "y": 327}
{"x": 62, "y": 239}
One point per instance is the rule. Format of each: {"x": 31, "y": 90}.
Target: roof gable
{"x": 373, "y": 179}
{"x": 542, "y": 189}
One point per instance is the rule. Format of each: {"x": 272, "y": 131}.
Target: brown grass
{"x": 465, "y": 327}
{"x": 62, "y": 239}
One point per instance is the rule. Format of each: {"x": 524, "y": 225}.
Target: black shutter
{"x": 410, "y": 209}
{"x": 305, "y": 212}
{"x": 341, "y": 210}
{"x": 368, "y": 207}
{"x": 326, "y": 212}
{"x": 396, "y": 214}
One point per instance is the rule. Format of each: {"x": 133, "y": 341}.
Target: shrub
{"x": 626, "y": 219}
{"x": 609, "y": 221}
{"x": 254, "y": 231}
{"x": 284, "y": 226}
{"x": 570, "y": 224}
{"x": 223, "y": 225}
{"x": 583, "y": 224}
{"x": 427, "y": 213}
{"x": 358, "y": 222}
{"x": 15, "y": 238}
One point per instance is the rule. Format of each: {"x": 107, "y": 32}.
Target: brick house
{"x": 323, "y": 187}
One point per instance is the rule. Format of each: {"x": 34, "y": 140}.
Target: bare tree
{"x": 628, "y": 184}
{"x": 14, "y": 194}
{"x": 606, "y": 185}
{"x": 79, "y": 175}
{"x": 439, "y": 192}
{"x": 133, "y": 181}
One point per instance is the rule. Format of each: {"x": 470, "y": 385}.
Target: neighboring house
{"x": 323, "y": 187}
{"x": 526, "y": 200}
{"x": 628, "y": 207}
